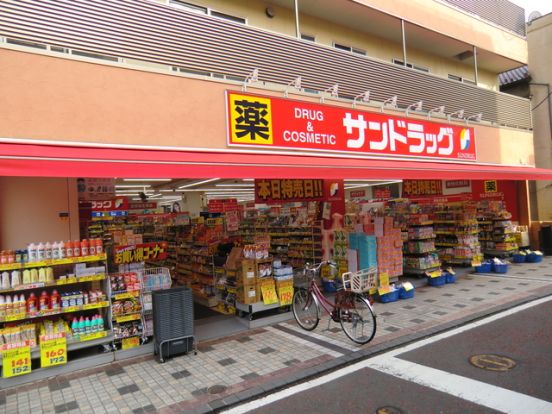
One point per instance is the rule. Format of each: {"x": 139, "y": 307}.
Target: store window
{"x": 188, "y": 6}
{"x": 461, "y": 79}
{"x": 350, "y": 49}
{"x": 308, "y": 37}
{"x": 225, "y": 16}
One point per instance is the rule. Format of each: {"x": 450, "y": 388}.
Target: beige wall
{"x": 30, "y": 207}
{"x": 539, "y": 39}
{"x": 49, "y": 100}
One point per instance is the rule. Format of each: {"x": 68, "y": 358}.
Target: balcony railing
{"x": 142, "y": 30}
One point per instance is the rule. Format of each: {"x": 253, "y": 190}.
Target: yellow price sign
{"x": 407, "y": 286}
{"x": 90, "y": 337}
{"x": 285, "y": 293}
{"x": 127, "y": 318}
{"x": 269, "y": 294}
{"x": 16, "y": 362}
{"x": 383, "y": 290}
{"x": 126, "y": 295}
{"x": 130, "y": 342}
{"x": 384, "y": 279}
{"x": 53, "y": 352}
{"x": 16, "y": 317}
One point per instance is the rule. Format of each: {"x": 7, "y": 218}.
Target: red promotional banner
{"x": 413, "y": 188}
{"x": 261, "y": 121}
{"x": 276, "y": 191}
{"x": 384, "y": 193}
{"x": 141, "y": 252}
{"x": 457, "y": 183}
{"x": 113, "y": 204}
{"x": 357, "y": 194}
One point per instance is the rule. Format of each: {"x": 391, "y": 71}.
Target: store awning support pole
{"x": 403, "y": 42}
{"x": 475, "y": 65}
{"x": 297, "y": 31}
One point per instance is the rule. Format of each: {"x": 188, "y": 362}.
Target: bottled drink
{"x": 76, "y": 248}
{"x": 84, "y": 247}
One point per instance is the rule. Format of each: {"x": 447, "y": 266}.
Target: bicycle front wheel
{"x": 358, "y": 320}
{"x": 305, "y": 309}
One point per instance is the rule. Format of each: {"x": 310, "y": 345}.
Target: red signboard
{"x": 222, "y": 205}
{"x": 141, "y": 253}
{"x": 357, "y": 194}
{"x": 413, "y": 188}
{"x": 113, "y": 204}
{"x": 457, "y": 183}
{"x": 142, "y": 206}
{"x": 384, "y": 193}
{"x": 276, "y": 191}
{"x": 262, "y": 121}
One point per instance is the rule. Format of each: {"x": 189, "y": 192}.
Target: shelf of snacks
{"x": 419, "y": 251}
{"x": 497, "y": 233}
{"x": 126, "y": 306}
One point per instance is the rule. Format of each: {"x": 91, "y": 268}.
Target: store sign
{"x": 222, "y": 205}
{"x": 262, "y": 121}
{"x": 490, "y": 186}
{"x": 95, "y": 188}
{"x": 357, "y": 194}
{"x": 142, "y": 206}
{"x": 113, "y": 204}
{"x": 275, "y": 191}
{"x": 16, "y": 361}
{"x": 269, "y": 294}
{"x": 382, "y": 193}
{"x": 141, "y": 252}
{"x": 457, "y": 183}
{"x": 53, "y": 352}
{"x": 422, "y": 188}
{"x": 128, "y": 343}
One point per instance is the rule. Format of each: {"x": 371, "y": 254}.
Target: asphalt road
{"x": 439, "y": 378}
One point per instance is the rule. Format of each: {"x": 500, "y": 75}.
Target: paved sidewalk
{"x": 233, "y": 369}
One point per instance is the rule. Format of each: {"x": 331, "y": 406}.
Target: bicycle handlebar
{"x": 316, "y": 268}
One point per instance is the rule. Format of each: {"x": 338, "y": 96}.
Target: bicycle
{"x": 351, "y": 308}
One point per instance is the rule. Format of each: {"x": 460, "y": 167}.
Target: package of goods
{"x": 247, "y": 294}
{"x": 283, "y": 271}
{"x": 367, "y": 251}
{"x": 378, "y": 226}
{"x": 233, "y": 259}
{"x": 352, "y": 260}
{"x": 354, "y": 240}
{"x": 248, "y": 268}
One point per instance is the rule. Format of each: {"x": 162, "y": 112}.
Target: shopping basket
{"x": 361, "y": 281}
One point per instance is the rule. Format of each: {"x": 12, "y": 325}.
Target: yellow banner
{"x": 269, "y": 294}
{"x": 285, "y": 293}
{"x": 383, "y": 290}
{"x": 383, "y": 279}
{"x": 53, "y": 352}
{"x": 127, "y": 318}
{"x": 16, "y": 362}
{"x": 127, "y": 295}
{"x": 90, "y": 337}
{"x": 130, "y": 342}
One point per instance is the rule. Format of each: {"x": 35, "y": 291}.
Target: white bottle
{"x": 61, "y": 250}
{"x": 55, "y": 250}
{"x": 32, "y": 253}
{"x": 5, "y": 280}
{"x": 48, "y": 251}
{"x": 15, "y": 278}
{"x": 40, "y": 255}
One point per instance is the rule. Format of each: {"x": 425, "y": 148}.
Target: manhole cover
{"x": 492, "y": 362}
{"x": 216, "y": 389}
{"x": 389, "y": 410}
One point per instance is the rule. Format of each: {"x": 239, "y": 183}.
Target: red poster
{"x": 357, "y": 194}
{"x": 262, "y": 121}
{"x": 141, "y": 252}
{"x": 384, "y": 193}
{"x": 416, "y": 188}
{"x": 457, "y": 183}
{"x": 277, "y": 191}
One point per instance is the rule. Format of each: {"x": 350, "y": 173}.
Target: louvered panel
{"x": 162, "y": 34}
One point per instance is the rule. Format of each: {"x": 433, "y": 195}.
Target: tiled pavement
{"x": 237, "y": 368}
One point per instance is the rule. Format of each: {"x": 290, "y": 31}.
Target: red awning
{"x": 77, "y": 161}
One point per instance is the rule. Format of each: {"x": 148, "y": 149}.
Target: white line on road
{"x": 302, "y": 341}
{"x": 379, "y": 362}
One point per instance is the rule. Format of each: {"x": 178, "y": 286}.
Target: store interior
{"x": 80, "y": 257}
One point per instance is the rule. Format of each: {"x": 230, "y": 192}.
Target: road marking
{"x": 348, "y": 346}
{"x": 305, "y": 342}
{"x": 387, "y": 361}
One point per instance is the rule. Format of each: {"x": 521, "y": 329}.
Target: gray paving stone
{"x": 249, "y": 376}
{"x": 266, "y": 350}
{"x": 392, "y": 329}
{"x": 417, "y": 320}
{"x": 460, "y": 305}
{"x": 127, "y": 389}
{"x": 227, "y": 361}
{"x": 477, "y": 299}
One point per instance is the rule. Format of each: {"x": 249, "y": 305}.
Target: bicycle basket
{"x": 361, "y": 281}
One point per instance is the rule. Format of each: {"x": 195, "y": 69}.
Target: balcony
{"x": 201, "y": 44}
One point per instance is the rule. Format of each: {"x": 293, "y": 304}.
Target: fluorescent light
{"x": 131, "y": 186}
{"x": 147, "y": 179}
{"x": 156, "y": 195}
{"x": 129, "y": 194}
{"x": 248, "y": 179}
{"x": 199, "y": 183}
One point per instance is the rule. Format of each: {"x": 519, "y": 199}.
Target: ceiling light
{"x": 235, "y": 185}
{"x": 132, "y": 186}
{"x": 199, "y": 183}
{"x": 248, "y": 179}
{"x": 147, "y": 179}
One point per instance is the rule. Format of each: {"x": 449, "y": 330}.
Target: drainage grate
{"x": 389, "y": 410}
{"x": 216, "y": 389}
{"x": 492, "y": 362}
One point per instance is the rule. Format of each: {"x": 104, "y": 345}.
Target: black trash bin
{"x": 546, "y": 240}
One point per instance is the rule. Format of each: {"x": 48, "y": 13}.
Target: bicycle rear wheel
{"x": 305, "y": 309}
{"x": 357, "y": 319}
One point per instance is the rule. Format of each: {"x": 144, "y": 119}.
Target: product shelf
{"x": 72, "y": 309}
{"x": 53, "y": 262}
{"x": 59, "y": 282}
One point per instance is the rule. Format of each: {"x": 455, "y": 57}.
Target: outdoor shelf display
{"x": 457, "y": 231}
{"x": 419, "y": 252}
{"x": 64, "y": 308}
{"x": 496, "y": 231}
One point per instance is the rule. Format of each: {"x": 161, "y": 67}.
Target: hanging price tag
{"x": 16, "y": 362}
{"x": 285, "y": 293}
{"x": 128, "y": 318}
{"x": 407, "y": 286}
{"x": 269, "y": 294}
{"x": 90, "y": 337}
{"x": 53, "y": 352}
{"x": 130, "y": 342}
{"x": 384, "y": 279}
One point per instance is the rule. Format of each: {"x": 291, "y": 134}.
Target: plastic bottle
{"x": 55, "y": 300}
{"x": 48, "y": 250}
{"x": 34, "y": 275}
{"x": 2, "y": 306}
{"x": 22, "y": 304}
{"x": 9, "y": 305}
{"x": 40, "y": 254}
{"x": 6, "y": 284}
{"x": 15, "y": 278}
{"x": 75, "y": 327}
{"x": 55, "y": 251}
{"x": 84, "y": 247}
{"x": 42, "y": 274}
{"x": 99, "y": 246}
{"x": 43, "y": 301}
{"x": 76, "y": 248}
{"x": 32, "y": 304}
{"x": 81, "y": 325}
{"x": 26, "y": 276}
{"x": 100, "y": 323}
{"x": 61, "y": 250}
{"x": 69, "y": 249}
{"x": 87, "y": 325}
{"x": 32, "y": 253}
{"x": 49, "y": 274}
{"x": 91, "y": 247}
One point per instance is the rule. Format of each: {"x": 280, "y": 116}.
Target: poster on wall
{"x": 95, "y": 188}
{"x": 271, "y": 122}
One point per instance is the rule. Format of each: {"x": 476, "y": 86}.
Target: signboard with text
{"x": 269, "y": 122}
{"x": 141, "y": 252}
{"x": 413, "y": 188}
{"x": 272, "y": 191}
